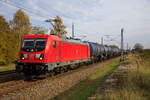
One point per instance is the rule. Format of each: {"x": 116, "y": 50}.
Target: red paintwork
{"x": 72, "y": 51}
{"x": 64, "y": 51}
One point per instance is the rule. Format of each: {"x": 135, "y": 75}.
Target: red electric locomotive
{"x": 41, "y": 54}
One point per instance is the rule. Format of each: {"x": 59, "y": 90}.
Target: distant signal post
{"x": 122, "y": 56}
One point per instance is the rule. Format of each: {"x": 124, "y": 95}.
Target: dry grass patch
{"x": 137, "y": 85}
{"x": 7, "y": 67}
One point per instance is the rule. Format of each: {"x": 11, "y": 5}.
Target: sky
{"x": 92, "y": 19}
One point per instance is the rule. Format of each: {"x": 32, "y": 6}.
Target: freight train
{"x": 49, "y": 54}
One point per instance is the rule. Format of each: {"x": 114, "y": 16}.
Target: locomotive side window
{"x": 54, "y": 44}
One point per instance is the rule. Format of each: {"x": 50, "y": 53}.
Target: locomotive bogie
{"x": 32, "y": 68}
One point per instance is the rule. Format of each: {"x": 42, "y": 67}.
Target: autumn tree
{"x": 4, "y": 30}
{"x": 2, "y": 48}
{"x": 36, "y": 30}
{"x": 7, "y": 43}
{"x": 138, "y": 47}
{"x": 12, "y": 42}
{"x": 58, "y": 28}
{"x": 20, "y": 24}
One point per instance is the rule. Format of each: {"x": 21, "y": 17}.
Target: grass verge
{"x": 83, "y": 90}
{"x": 7, "y": 67}
{"x": 137, "y": 85}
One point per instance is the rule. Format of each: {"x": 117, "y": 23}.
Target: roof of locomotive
{"x": 55, "y": 38}
{"x": 35, "y": 36}
{"x": 74, "y": 41}
{"x": 41, "y": 36}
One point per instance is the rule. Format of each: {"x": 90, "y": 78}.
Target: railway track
{"x": 7, "y": 72}
{"x": 9, "y": 76}
{"x": 13, "y": 86}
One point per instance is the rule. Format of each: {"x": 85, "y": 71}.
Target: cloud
{"x": 6, "y": 10}
{"x": 95, "y": 18}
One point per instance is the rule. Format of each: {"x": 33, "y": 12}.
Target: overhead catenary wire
{"x": 37, "y": 12}
{"x": 23, "y": 8}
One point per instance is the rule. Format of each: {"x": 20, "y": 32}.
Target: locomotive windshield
{"x": 33, "y": 45}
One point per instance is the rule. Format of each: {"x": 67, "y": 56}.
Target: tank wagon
{"x": 97, "y": 51}
{"x": 47, "y": 54}
{"x": 116, "y": 52}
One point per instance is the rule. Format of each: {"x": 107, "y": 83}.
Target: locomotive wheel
{"x": 65, "y": 69}
{"x": 42, "y": 76}
{"x": 57, "y": 70}
{"x": 62, "y": 70}
{"x": 28, "y": 77}
{"x": 87, "y": 63}
{"x": 51, "y": 73}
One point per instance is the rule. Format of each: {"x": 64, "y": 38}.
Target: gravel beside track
{"x": 47, "y": 88}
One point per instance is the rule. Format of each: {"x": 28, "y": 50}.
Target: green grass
{"x": 7, "y": 67}
{"x": 85, "y": 88}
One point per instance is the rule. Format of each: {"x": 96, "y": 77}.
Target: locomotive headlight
{"x": 41, "y": 57}
{"x": 23, "y": 56}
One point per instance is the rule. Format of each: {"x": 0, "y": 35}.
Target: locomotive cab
{"x": 35, "y": 52}
{"x": 32, "y": 47}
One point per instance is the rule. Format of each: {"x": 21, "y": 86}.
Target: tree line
{"x": 12, "y": 32}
